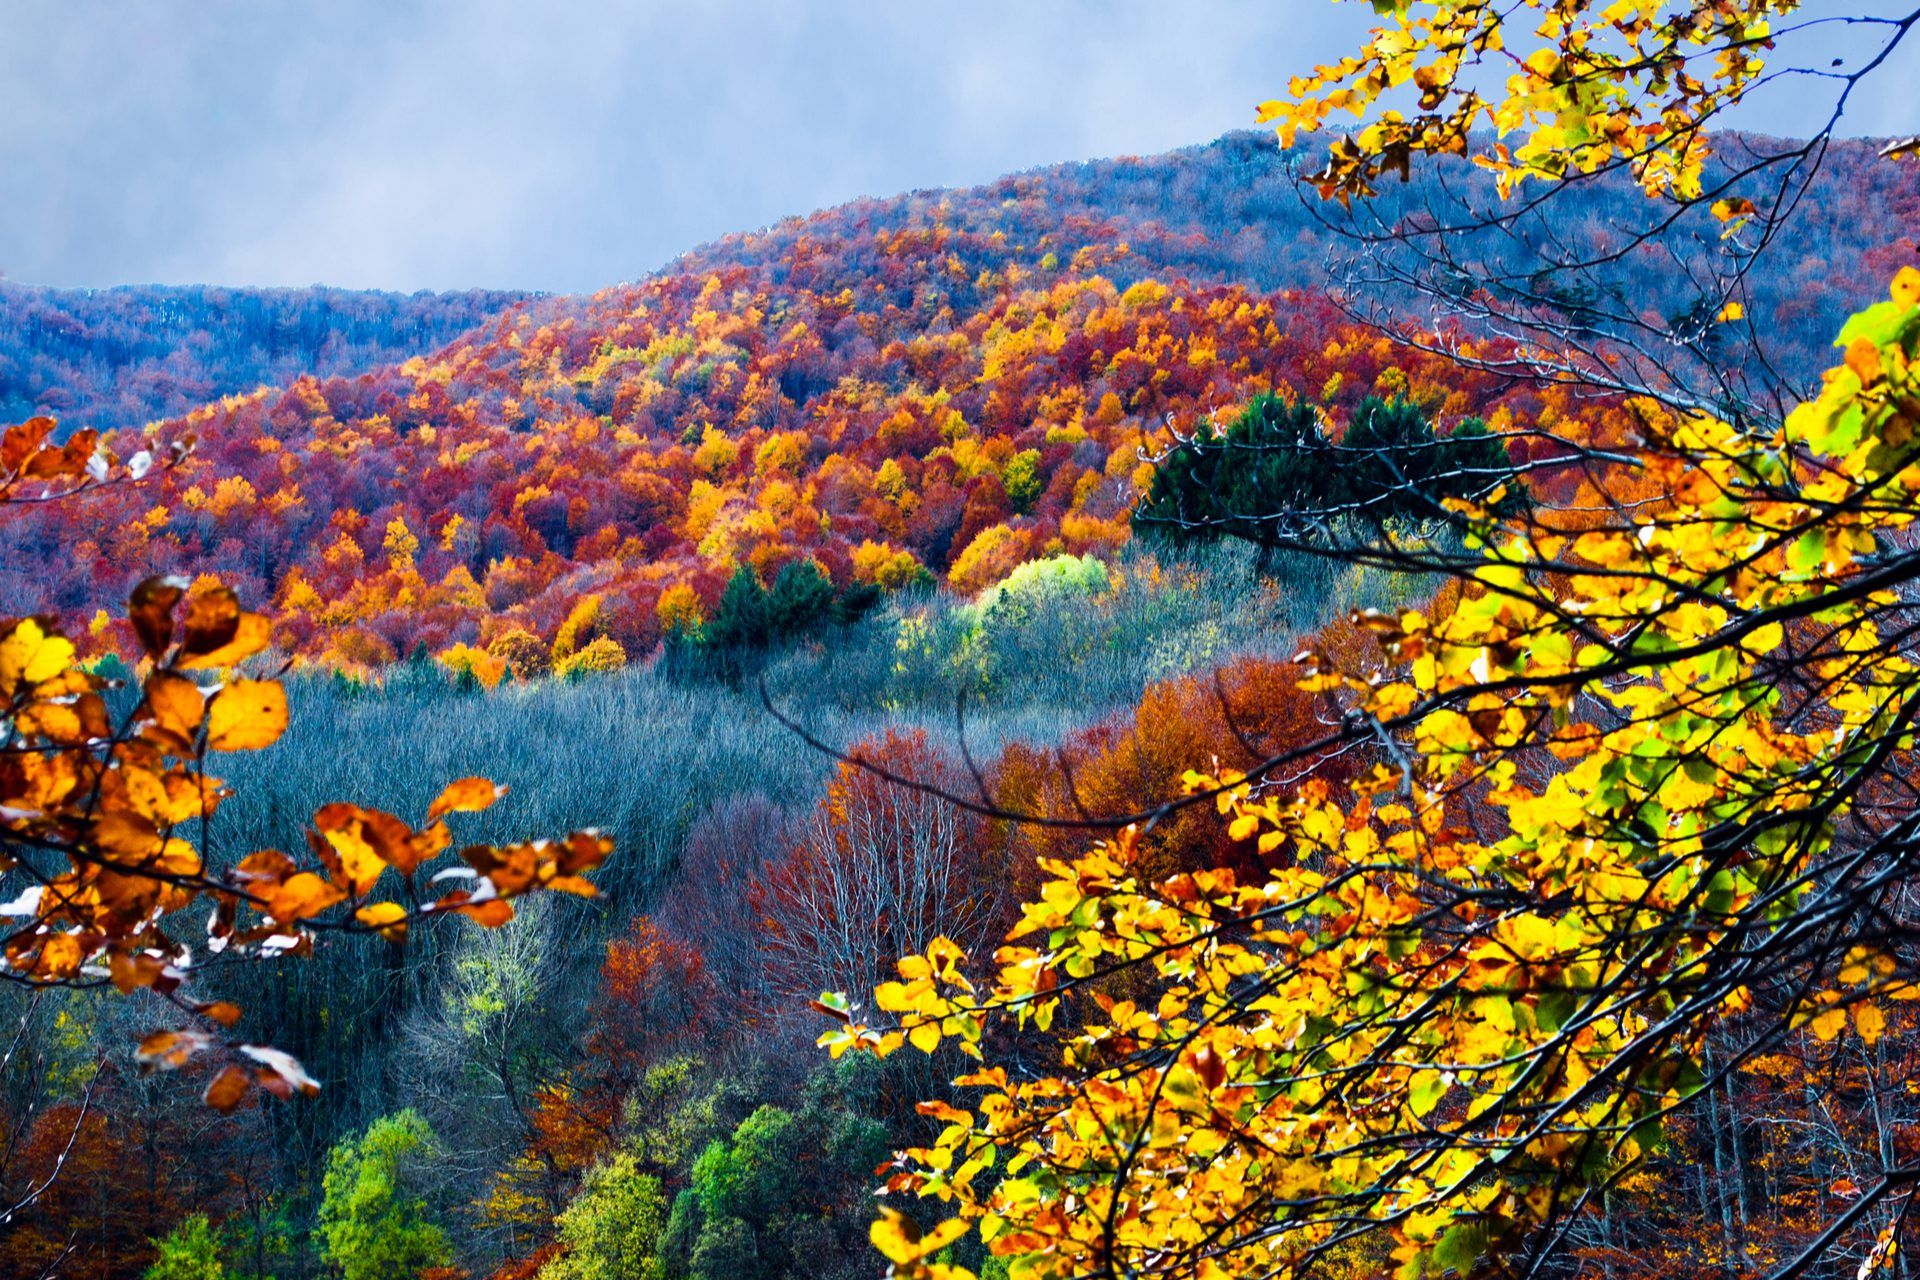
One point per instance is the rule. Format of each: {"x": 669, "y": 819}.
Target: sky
{"x": 565, "y": 145}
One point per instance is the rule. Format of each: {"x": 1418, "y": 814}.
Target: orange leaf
{"x": 224, "y": 1012}
{"x": 224, "y": 1091}
{"x": 468, "y": 795}
{"x": 170, "y": 1050}
{"x": 175, "y": 706}
{"x": 300, "y": 896}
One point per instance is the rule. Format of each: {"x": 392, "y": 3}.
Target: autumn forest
{"x": 1337, "y": 702}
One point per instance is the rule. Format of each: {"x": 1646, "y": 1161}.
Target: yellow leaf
{"x": 925, "y": 1037}
{"x": 390, "y": 918}
{"x": 1869, "y": 1021}
{"x": 30, "y": 654}
{"x": 900, "y": 1239}
{"x": 1827, "y": 1024}
{"x": 247, "y": 715}
{"x": 359, "y": 864}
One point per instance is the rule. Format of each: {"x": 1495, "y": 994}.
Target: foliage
{"x": 772, "y": 1198}
{"x": 1454, "y": 1031}
{"x": 612, "y": 1229}
{"x": 1586, "y": 87}
{"x": 191, "y": 1251}
{"x": 373, "y": 1218}
{"x": 1275, "y": 479}
{"x": 569, "y": 450}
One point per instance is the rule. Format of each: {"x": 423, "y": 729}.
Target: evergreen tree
{"x": 743, "y": 618}
{"x": 801, "y": 595}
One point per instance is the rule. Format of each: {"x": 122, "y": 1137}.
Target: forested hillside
{"x": 937, "y": 386}
{"x": 124, "y": 357}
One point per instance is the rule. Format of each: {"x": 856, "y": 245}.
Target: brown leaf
{"x": 390, "y": 839}
{"x": 252, "y": 634}
{"x": 150, "y": 609}
{"x": 267, "y": 867}
{"x": 512, "y": 868}
{"x": 213, "y": 617}
{"x": 583, "y": 851}
{"x": 132, "y": 972}
{"x": 22, "y": 442}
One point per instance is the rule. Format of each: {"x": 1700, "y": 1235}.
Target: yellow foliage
{"x": 603, "y": 654}
{"x": 488, "y": 669}
{"x": 580, "y": 620}
{"x": 1617, "y": 771}
{"x": 679, "y": 609}
{"x": 886, "y": 567}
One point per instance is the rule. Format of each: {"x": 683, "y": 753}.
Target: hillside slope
{"x": 936, "y": 384}
{"x": 123, "y": 357}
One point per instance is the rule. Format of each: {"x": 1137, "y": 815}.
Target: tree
{"x": 742, "y": 619}
{"x": 801, "y": 595}
{"x": 878, "y": 871}
{"x": 1557, "y": 96}
{"x": 1644, "y": 807}
{"x": 1646, "y": 784}
{"x": 612, "y": 1229}
{"x": 104, "y": 817}
{"x": 1274, "y": 478}
{"x": 373, "y": 1217}
{"x": 191, "y": 1251}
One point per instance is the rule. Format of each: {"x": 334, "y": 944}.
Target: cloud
{"x": 568, "y": 145}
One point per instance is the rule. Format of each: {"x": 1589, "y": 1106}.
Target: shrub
{"x": 475, "y": 665}
{"x": 522, "y": 651}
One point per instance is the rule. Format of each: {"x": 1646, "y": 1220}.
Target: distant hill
{"x": 937, "y": 384}
{"x": 123, "y": 357}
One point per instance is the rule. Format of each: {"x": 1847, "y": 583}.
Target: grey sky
{"x": 567, "y": 145}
